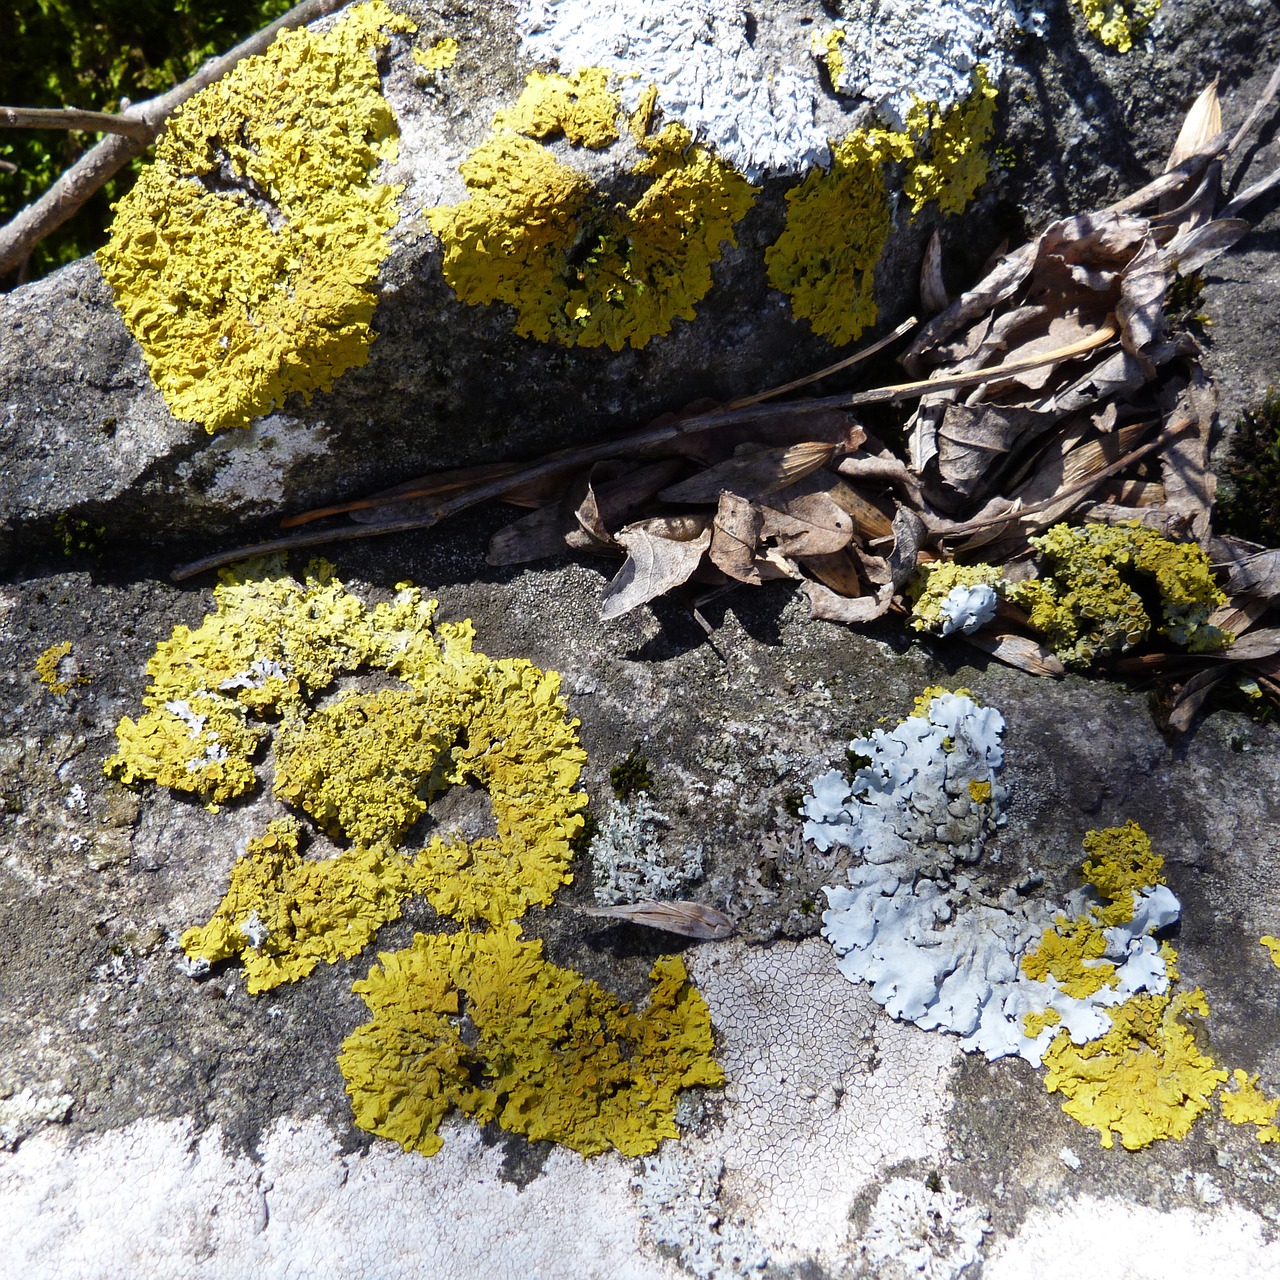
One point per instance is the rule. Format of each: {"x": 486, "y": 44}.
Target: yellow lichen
{"x": 1034, "y": 1023}
{"x": 1072, "y": 954}
{"x": 838, "y": 221}
{"x": 955, "y": 164}
{"x": 474, "y": 1020}
{"x": 1249, "y": 1105}
{"x": 931, "y": 584}
{"x": 980, "y": 792}
{"x": 581, "y": 107}
{"x": 439, "y": 57}
{"x": 920, "y": 707}
{"x": 55, "y": 672}
{"x": 826, "y": 47}
{"x": 1143, "y": 1080}
{"x": 577, "y": 266}
{"x": 1119, "y": 861}
{"x": 550, "y": 1055}
{"x": 1088, "y": 604}
{"x": 1273, "y": 948}
{"x": 283, "y": 914}
{"x": 1117, "y": 22}
{"x": 242, "y": 259}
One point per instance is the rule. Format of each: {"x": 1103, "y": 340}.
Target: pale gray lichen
{"x": 919, "y": 1231}
{"x": 23, "y": 1111}
{"x": 629, "y": 857}
{"x": 680, "y": 1207}
{"x": 914, "y": 923}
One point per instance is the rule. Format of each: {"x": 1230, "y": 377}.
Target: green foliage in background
{"x": 91, "y": 54}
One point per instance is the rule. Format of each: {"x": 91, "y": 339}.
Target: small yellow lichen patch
{"x": 440, "y": 57}
{"x": 576, "y": 266}
{"x": 1072, "y": 954}
{"x": 955, "y": 165}
{"x": 1247, "y": 1104}
{"x": 932, "y": 584}
{"x": 553, "y": 1056}
{"x": 283, "y": 914}
{"x": 1117, "y": 22}
{"x": 920, "y": 707}
{"x": 243, "y": 257}
{"x": 56, "y": 673}
{"x": 1143, "y": 1080}
{"x": 1273, "y": 948}
{"x": 1034, "y": 1023}
{"x": 826, "y": 47}
{"x": 581, "y": 107}
{"x": 980, "y": 792}
{"x": 839, "y": 221}
{"x": 1086, "y": 601}
{"x": 1119, "y": 861}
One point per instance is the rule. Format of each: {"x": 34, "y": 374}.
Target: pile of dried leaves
{"x": 1061, "y": 387}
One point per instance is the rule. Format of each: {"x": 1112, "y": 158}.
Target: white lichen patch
{"x": 913, "y": 921}
{"x": 25, "y": 1110}
{"x": 822, "y": 1093}
{"x": 748, "y": 82}
{"x": 680, "y": 1204}
{"x": 632, "y": 858}
{"x": 152, "y": 1200}
{"x": 1093, "y": 1236}
{"x": 894, "y": 52}
{"x": 755, "y": 104}
{"x": 253, "y": 467}
{"x": 917, "y": 1230}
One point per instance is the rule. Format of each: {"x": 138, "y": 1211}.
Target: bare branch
{"x": 72, "y": 118}
{"x": 99, "y": 165}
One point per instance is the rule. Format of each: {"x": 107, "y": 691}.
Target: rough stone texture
{"x": 208, "y": 1132}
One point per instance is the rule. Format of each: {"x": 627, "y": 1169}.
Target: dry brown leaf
{"x": 691, "y": 919}
{"x": 1190, "y": 698}
{"x": 809, "y": 524}
{"x": 1189, "y": 484}
{"x": 735, "y": 534}
{"x": 830, "y": 607}
{"x": 1196, "y": 247}
{"x": 1201, "y": 126}
{"x": 1254, "y": 646}
{"x": 615, "y": 493}
{"x": 662, "y": 553}
{"x": 1018, "y": 651}
{"x": 1251, "y": 570}
{"x": 933, "y": 289}
{"x": 754, "y": 475}
{"x": 973, "y": 443}
{"x": 839, "y": 571}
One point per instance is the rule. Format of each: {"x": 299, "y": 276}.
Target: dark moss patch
{"x": 631, "y": 775}
{"x": 1249, "y": 481}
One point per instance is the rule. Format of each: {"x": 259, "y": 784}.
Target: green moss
{"x": 483, "y": 1023}
{"x": 1249, "y": 480}
{"x": 630, "y": 775}
{"x": 838, "y": 221}
{"x": 243, "y": 258}
{"x": 1118, "y": 22}
{"x": 578, "y": 267}
{"x": 1088, "y": 601}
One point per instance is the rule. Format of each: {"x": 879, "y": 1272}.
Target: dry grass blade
{"x": 1190, "y": 698}
{"x": 1019, "y": 651}
{"x": 933, "y": 289}
{"x": 753, "y": 476}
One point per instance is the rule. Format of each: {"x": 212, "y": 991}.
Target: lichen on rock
{"x": 839, "y": 220}
{"x": 1088, "y": 599}
{"x": 243, "y": 258}
{"x": 1117, "y": 23}
{"x": 947, "y": 597}
{"x": 578, "y": 267}
{"x": 549, "y": 1054}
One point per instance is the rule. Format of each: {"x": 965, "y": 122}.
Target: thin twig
{"x": 100, "y": 164}
{"x": 570, "y": 460}
{"x": 858, "y": 356}
{"x": 1273, "y": 87}
{"x": 73, "y": 118}
{"x": 1080, "y": 487}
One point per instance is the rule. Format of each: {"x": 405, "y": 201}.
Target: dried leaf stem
{"x": 569, "y": 460}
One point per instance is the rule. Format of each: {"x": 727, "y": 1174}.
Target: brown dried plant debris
{"x": 1059, "y": 388}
